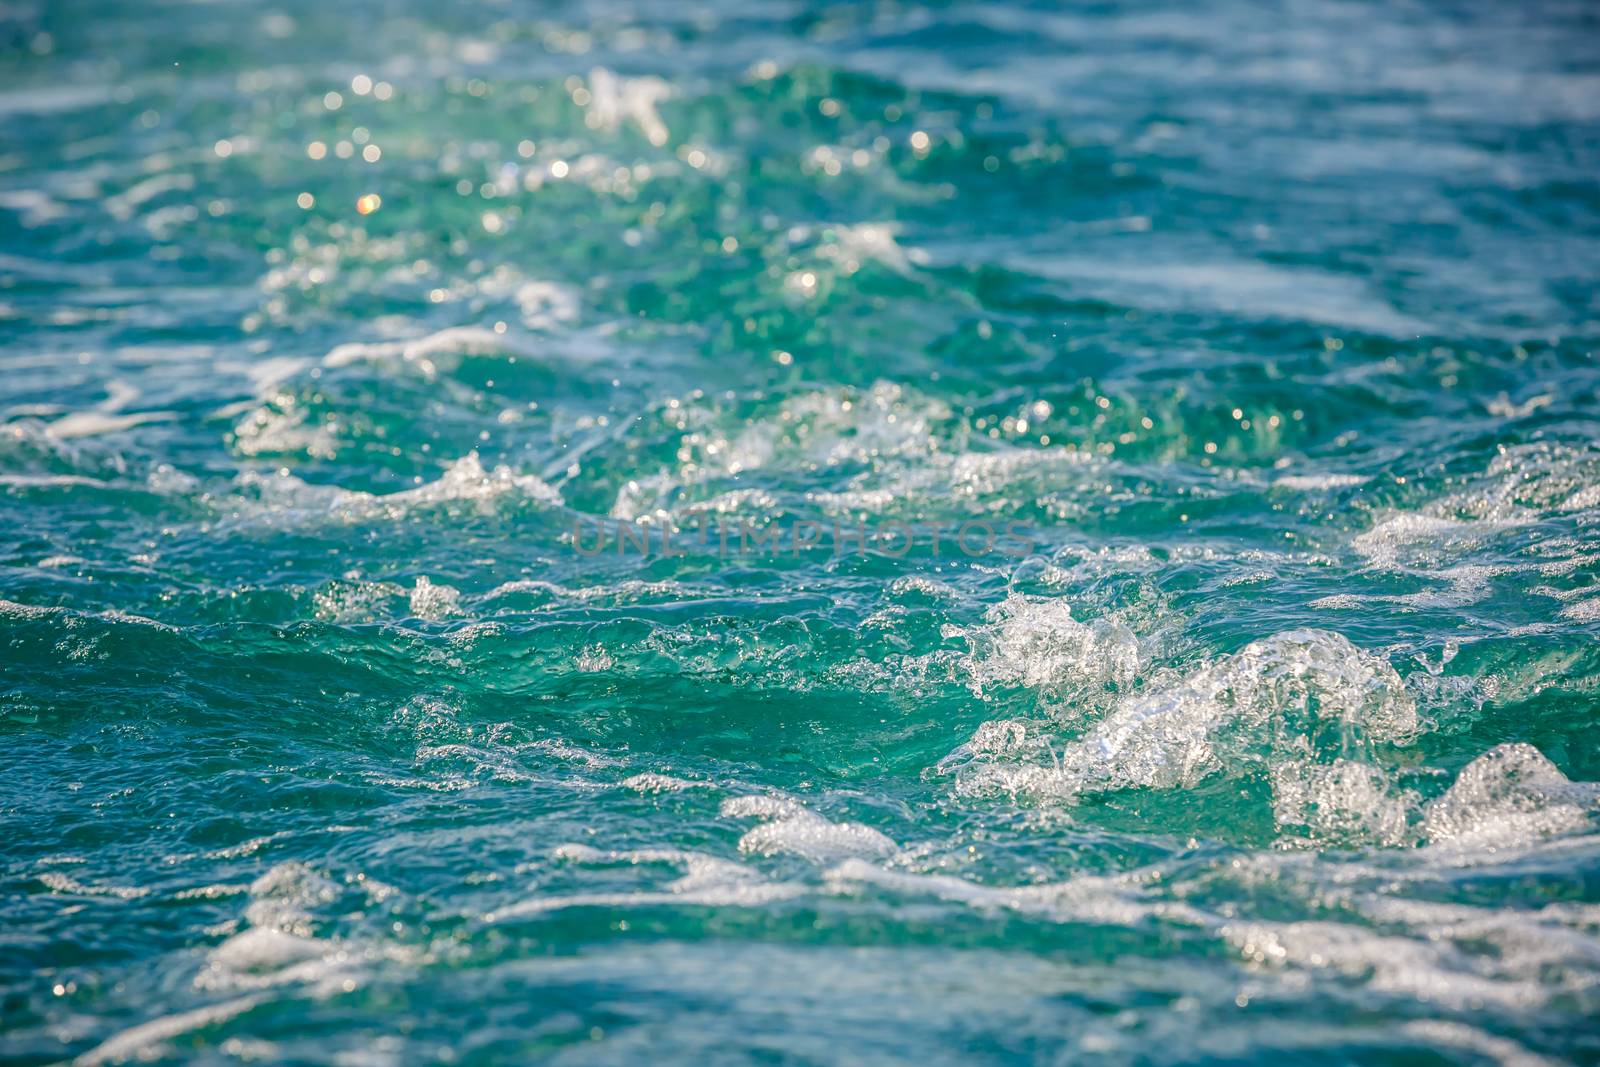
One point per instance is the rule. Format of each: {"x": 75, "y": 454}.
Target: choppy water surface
{"x": 1274, "y": 324}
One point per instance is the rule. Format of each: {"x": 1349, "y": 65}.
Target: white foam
{"x": 851, "y": 246}
{"x": 651, "y": 782}
{"x": 432, "y": 353}
{"x": 1582, "y": 610}
{"x": 545, "y": 305}
{"x": 281, "y": 428}
{"x": 60, "y": 883}
{"x": 106, "y": 417}
{"x": 1449, "y": 1034}
{"x": 281, "y": 495}
{"x": 262, "y": 956}
{"x": 1304, "y": 708}
{"x": 706, "y": 881}
{"x": 1432, "y": 971}
{"x": 1345, "y": 802}
{"x": 1315, "y": 482}
{"x": 354, "y": 601}
{"x": 280, "y": 945}
{"x": 794, "y": 829}
{"x": 1273, "y": 695}
{"x": 613, "y": 99}
{"x": 53, "y": 481}
{"x": 1035, "y": 642}
{"x": 1409, "y": 539}
{"x": 1115, "y": 900}
{"x": 1510, "y": 795}
{"x": 149, "y": 1036}
{"x": 34, "y": 207}
{"x": 434, "y": 601}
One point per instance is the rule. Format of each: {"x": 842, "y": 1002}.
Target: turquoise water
{"x": 1266, "y": 733}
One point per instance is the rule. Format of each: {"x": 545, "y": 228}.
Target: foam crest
{"x": 1305, "y": 709}
{"x": 1469, "y": 537}
{"x": 837, "y": 427}
{"x": 850, "y": 247}
{"x": 30, "y": 446}
{"x": 613, "y": 99}
{"x": 280, "y": 946}
{"x": 1299, "y": 694}
{"x": 57, "y": 882}
{"x": 653, "y": 782}
{"x": 1035, "y": 642}
{"x": 1509, "y": 795}
{"x": 434, "y": 601}
{"x": 1435, "y": 971}
{"x": 149, "y": 1039}
{"x": 282, "y": 495}
{"x": 434, "y": 353}
{"x": 705, "y": 880}
{"x": 883, "y": 427}
{"x": 791, "y": 828}
{"x": 1410, "y": 539}
{"x": 1345, "y": 802}
{"x": 467, "y": 479}
{"x": 1110, "y": 900}
{"x": 1004, "y": 756}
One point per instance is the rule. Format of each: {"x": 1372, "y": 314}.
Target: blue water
{"x": 749, "y": 532}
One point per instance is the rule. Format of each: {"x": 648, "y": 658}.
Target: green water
{"x": 1267, "y": 331}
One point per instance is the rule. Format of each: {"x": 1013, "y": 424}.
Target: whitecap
{"x": 1114, "y": 900}
{"x": 792, "y": 828}
{"x": 707, "y": 881}
{"x": 613, "y": 98}
{"x": 1510, "y": 795}
{"x": 434, "y": 601}
{"x": 1315, "y": 482}
{"x": 282, "y": 495}
{"x": 1035, "y": 642}
{"x": 652, "y": 782}
{"x": 1283, "y": 694}
{"x": 433, "y": 352}
{"x": 148, "y": 1036}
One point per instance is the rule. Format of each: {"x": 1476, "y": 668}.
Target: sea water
{"x": 884, "y": 532}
